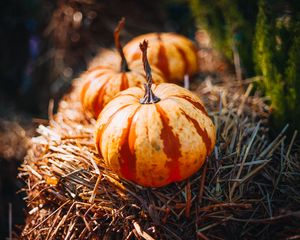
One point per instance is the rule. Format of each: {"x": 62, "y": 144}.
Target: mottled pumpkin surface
{"x": 173, "y": 54}
{"x": 102, "y": 83}
{"x": 155, "y": 144}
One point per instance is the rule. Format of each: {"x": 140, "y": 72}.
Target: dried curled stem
{"x": 124, "y": 64}
{"x": 149, "y": 96}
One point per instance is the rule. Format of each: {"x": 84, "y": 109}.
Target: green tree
{"x": 292, "y": 74}
{"x": 264, "y": 59}
{"x": 267, "y": 36}
{"x": 229, "y": 26}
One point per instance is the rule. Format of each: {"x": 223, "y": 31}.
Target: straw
{"x": 238, "y": 191}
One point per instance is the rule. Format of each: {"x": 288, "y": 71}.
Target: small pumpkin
{"x": 156, "y": 135}
{"x": 102, "y": 83}
{"x": 106, "y": 57}
{"x": 174, "y": 54}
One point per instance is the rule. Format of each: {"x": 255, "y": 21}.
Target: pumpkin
{"x": 106, "y": 57}
{"x": 154, "y": 135}
{"x": 102, "y": 83}
{"x": 173, "y": 54}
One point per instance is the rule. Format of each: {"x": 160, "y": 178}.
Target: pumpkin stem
{"x": 124, "y": 64}
{"x": 149, "y": 96}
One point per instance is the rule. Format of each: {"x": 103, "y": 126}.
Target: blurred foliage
{"x": 229, "y": 23}
{"x": 276, "y": 58}
{"x": 179, "y": 18}
{"x": 266, "y": 35}
{"x": 292, "y": 74}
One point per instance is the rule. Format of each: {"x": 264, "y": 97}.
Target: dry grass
{"x": 14, "y": 140}
{"x": 249, "y": 187}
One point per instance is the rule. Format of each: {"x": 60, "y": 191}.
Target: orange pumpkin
{"x": 173, "y": 54}
{"x": 106, "y": 57}
{"x": 102, "y": 83}
{"x": 154, "y": 136}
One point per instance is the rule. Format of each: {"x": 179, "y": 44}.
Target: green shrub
{"x": 267, "y": 36}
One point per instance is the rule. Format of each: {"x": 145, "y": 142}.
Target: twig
{"x": 10, "y": 220}
{"x": 188, "y": 199}
{"x": 140, "y": 232}
{"x": 186, "y": 81}
{"x": 225, "y": 205}
{"x": 201, "y": 192}
{"x": 93, "y": 195}
{"x": 45, "y": 219}
{"x": 244, "y": 159}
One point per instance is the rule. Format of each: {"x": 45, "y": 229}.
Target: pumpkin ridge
{"x": 202, "y": 132}
{"x": 101, "y": 73}
{"x": 88, "y": 83}
{"x": 129, "y": 94}
{"x": 132, "y": 132}
{"x": 101, "y": 129}
{"x": 184, "y": 58}
{"x": 98, "y": 101}
{"x": 127, "y": 159}
{"x": 194, "y": 103}
{"x": 85, "y": 87}
{"x": 95, "y": 68}
{"x": 171, "y": 146}
{"x": 124, "y": 82}
{"x": 163, "y": 62}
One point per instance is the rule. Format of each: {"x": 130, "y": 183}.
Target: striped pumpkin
{"x": 103, "y": 83}
{"x": 173, "y": 54}
{"x": 155, "y": 137}
{"x": 106, "y": 57}
{"x": 155, "y": 144}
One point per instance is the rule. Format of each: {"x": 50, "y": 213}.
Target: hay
{"x": 249, "y": 187}
{"x": 14, "y": 139}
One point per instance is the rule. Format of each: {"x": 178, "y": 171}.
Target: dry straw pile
{"x": 249, "y": 187}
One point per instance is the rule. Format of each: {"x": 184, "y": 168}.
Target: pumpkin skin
{"x": 102, "y": 83}
{"x": 155, "y": 144}
{"x": 174, "y": 54}
{"x": 105, "y": 57}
